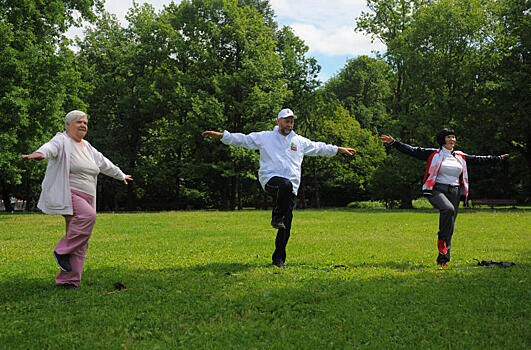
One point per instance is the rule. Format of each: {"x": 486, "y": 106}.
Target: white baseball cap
{"x": 286, "y": 112}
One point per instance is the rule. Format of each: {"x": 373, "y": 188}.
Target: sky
{"x": 326, "y": 26}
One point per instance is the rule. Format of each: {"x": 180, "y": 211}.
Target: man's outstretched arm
{"x": 212, "y": 134}
{"x": 315, "y": 148}
{"x": 346, "y": 150}
{"x": 249, "y": 141}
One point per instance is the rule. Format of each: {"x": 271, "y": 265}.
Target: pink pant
{"x": 78, "y": 230}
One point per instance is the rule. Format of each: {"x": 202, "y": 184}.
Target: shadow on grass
{"x": 14, "y": 289}
{"x": 396, "y": 266}
{"x": 237, "y": 305}
{"x": 36, "y": 291}
{"x": 206, "y": 278}
{"x": 21, "y": 288}
{"x": 419, "y": 210}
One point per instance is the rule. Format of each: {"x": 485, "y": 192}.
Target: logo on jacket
{"x": 293, "y": 147}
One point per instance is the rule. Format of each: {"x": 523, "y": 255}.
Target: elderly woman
{"x": 69, "y": 189}
{"x": 445, "y": 181}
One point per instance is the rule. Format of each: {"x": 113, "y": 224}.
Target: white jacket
{"x": 279, "y": 155}
{"x": 55, "y": 195}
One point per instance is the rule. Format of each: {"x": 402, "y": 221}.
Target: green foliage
{"x": 152, "y": 87}
{"x": 195, "y": 66}
{"x": 299, "y": 71}
{"x": 341, "y": 179}
{"x": 39, "y": 84}
{"x": 366, "y": 205}
{"x": 363, "y": 87}
{"x": 238, "y": 73}
{"x": 136, "y": 91}
{"x": 506, "y": 90}
{"x": 397, "y": 181}
{"x": 349, "y": 109}
{"x": 198, "y": 279}
{"x": 450, "y": 64}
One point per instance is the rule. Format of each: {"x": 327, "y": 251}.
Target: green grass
{"x": 203, "y": 280}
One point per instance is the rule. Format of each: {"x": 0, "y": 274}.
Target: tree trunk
{"x": 317, "y": 194}
{"x": 264, "y": 203}
{"x": 301, "y": 198}
{"x": 239, "y": 193}
{"x": 131, "y": 197}
{"x": 7, "y": 199}
{"x": 232, "y": 197}
{"x": 225, "y": 202}
{"x": 178, "y": 179}
{"x": 406, "y": 204}
{"x": 527, "y": 156}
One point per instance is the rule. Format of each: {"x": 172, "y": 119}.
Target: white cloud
{"x": 119, "y": 8}
{"x": 335, "y": 41}
{"x": 327, "y": 26}
{"x": 326, "y": 12}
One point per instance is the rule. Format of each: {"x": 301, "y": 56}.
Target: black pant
{"x": 282, "y": 191}
{"x": 446, "y": 199}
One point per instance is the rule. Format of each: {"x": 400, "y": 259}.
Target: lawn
{"x": 204, "y": 280}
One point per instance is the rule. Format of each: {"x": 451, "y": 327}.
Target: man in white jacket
{"x": 281, "y": 155}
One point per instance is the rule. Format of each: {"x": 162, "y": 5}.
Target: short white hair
{"x": 74, "y": 115}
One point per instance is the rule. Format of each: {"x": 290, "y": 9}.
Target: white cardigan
{"x": 55, "y": 195}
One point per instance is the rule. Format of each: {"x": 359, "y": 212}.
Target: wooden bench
{"x": 494, "y": 202}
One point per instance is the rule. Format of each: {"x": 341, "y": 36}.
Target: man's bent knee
{"x": 448, "y": 211}
{"x": 286, "y": 186}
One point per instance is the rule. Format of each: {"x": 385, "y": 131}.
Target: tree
{"x": 233, "y": 81}
{"x": 299, "y": 71}
{"x": 336, "y": 181}
{"x": 388, "y": 21}
{"x": 506, "y": 90}
{"x": 169, "y": 76}
{"x": 133, "y": 87}
{"x": 359, "y": 92}
{"x": 39, "y": 83}
{"x": 446, "y": 56}
{"x": 363, "y": 87}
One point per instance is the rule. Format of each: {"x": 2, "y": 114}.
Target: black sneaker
{"x": 279, "y": 263}
{"x": 69, "y": 286}
{"x": 442, "y": 259}
{"x": 278, "y": 223}
{"x": 63, "y": 260}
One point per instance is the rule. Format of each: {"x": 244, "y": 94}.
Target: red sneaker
{"x": 442, "y": 246}
{"x": 442, "y": 265}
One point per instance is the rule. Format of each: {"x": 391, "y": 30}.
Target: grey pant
{"x": 446, "y": 199}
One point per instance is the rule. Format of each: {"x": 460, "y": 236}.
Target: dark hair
{"x": 442, "y": 134}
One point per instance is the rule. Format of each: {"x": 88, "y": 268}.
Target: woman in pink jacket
{"x": 69, "y": 189}
{"x": 445, "y": 181}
